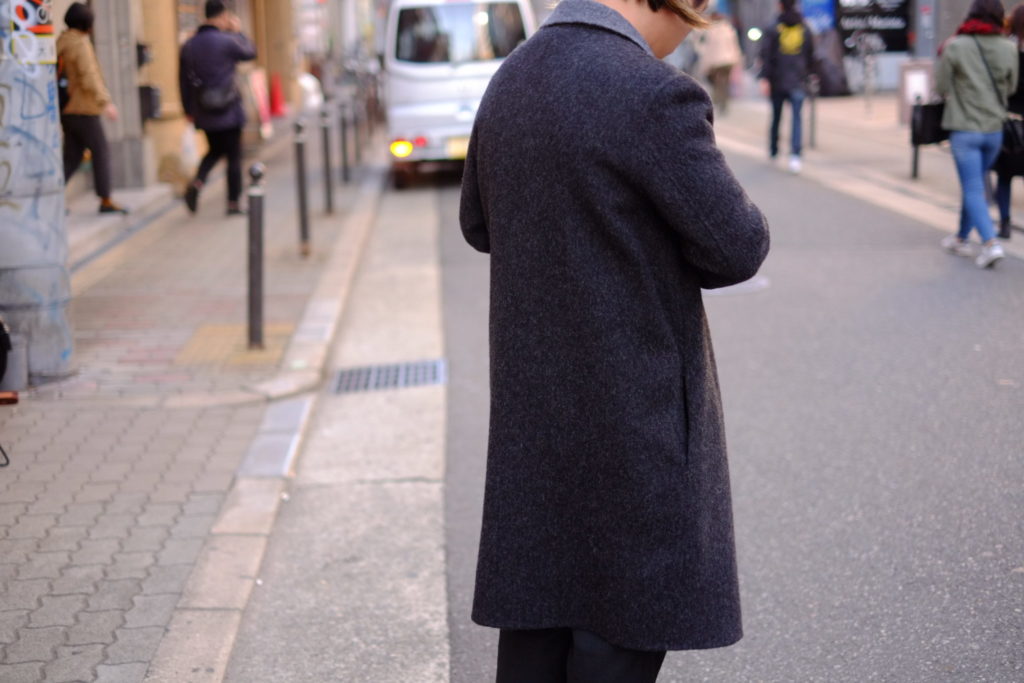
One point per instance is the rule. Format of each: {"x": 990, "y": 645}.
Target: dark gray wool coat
{"x": 594, "y": 183}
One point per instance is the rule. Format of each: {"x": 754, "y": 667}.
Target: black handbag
{"x": 926, "y": 124}
{"x": 1013, "y": 134}
{"x": 218, "y": 99}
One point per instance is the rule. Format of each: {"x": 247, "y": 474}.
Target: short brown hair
{"x": 684, "y": 9}
{"x": 1017, "y": 23}
{"x": 989, "y": 11}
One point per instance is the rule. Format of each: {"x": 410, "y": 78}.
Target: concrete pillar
{"x": 115, "y": 34}
{"x": 34, "y": 283}
{"x": 275, "y": 32}
{"x": 160, "y": 31}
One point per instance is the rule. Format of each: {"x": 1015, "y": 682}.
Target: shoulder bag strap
{"x": 995, "y": 88}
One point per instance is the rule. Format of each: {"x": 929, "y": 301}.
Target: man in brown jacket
{"x": 88, "y": 98}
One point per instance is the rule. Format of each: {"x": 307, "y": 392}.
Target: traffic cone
{"x": 277, "y": 103}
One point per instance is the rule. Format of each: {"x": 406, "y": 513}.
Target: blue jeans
{"x": 796, "y": 100}
{"x": 974, "y": 153}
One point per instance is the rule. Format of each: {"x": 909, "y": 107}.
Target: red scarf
{"x": 979, "y": 27}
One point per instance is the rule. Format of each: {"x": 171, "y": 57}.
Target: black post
{"x": 915, "y": 116}
{"x": 300, "y": 176}
{"x": 369, "y": 111}
{"x": 357, "y": 130}
{"x": 255, "y": 195}
{"x": 343, "y": 108}
{"x": 814, "y": 112}
{"x": 325, "y": 130}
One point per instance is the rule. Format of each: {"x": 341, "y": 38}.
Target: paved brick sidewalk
{"x": 111, "y": 493}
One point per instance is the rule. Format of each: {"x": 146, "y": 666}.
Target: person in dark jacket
{"x": 211, "y": 97}
{"x": 87, "y": 99}
{"x": 1009, "y": 165}
{"x": 787, "y": 59}
{"x": 607, "y": 534}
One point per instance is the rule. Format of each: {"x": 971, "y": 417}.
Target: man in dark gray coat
{"x": 211, "y": 98}
{"x": 594, "y": 183}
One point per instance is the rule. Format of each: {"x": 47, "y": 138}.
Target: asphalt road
{"x": 874, "y": 395}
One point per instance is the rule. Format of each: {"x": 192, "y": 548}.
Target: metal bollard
{"x": 325, "y": 131}
{"x": 255, "y": 195}
{"x": 815, "y": 87}
{"x": 357, "y": 133}
{"x": 369, "y": 118}
{"x": 345, "y": 172}
{"x": 300, "y": 176}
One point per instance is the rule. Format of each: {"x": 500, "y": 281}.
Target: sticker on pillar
{"x": 32, "y": 36}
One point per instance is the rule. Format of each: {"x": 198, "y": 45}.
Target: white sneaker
{"x": 794, "y": 164}
{"x": 953, "y": 245}
{"x": 990, "y": 253}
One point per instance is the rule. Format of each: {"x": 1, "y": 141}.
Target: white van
{"x": 439, "y": 57}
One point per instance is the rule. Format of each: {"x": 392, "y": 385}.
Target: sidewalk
{"x": 863, "y": 153}
{"x": 123, "y": 498}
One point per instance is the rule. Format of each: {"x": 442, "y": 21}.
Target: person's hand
{"x": 766, "y": 89}
{"x": 234, "y": 23}
{"x": 110, "y": 111}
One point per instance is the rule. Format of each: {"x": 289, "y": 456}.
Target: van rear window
{"x": 459, "y": 32}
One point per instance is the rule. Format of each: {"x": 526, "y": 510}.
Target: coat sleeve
{"x": 1012, "y": 78}
{"x": 185, "y": 84}
{"x": 85, "y": 73}
{"x": 808, "y": 51}
{"x": 723, "y": 235}
{"x": 472, "y": 218}
{"x": 944, "y": 74}
{"x": 243, "y": 50}
{"x": 767, "y": 55}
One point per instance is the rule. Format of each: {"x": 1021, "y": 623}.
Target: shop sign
{"x": 879, "y": 25}
{"x": 32, "y": 38}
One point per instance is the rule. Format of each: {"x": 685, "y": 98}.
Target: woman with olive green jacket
{"x": 977, "y": 72}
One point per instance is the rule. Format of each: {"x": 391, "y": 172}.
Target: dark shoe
{"x": 1004, "y": 230}
{"x": 236, "y": 211}
{"x": 192, "y": 197}
{"x": 112, "y": 208}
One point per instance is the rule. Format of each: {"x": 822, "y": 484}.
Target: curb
{"x": 197, "y": 645}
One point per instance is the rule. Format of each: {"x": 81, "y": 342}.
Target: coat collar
{"x": 596, "y": 14}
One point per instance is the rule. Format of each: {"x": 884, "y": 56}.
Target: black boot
{"x": 1004, "y": 229}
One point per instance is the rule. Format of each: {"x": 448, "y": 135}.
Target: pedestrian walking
{"x": 976, "y": 73}
{"x": 212, "y": 99}
{"x": 86, "y": 98}
{"x": 594, "y": 183}
{"x": 1008, "y": 166}
{"x": 787, "y": 59}
{"x": 719, "y": 49}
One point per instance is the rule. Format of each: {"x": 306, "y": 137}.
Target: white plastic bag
{"x": 189, "y": 149}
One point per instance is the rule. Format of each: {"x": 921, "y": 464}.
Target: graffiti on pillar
{"x": 34, "y": 286}
{"x": 32, "y": 38}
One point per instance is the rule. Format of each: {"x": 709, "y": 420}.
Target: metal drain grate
{"x": 397, "y": 376}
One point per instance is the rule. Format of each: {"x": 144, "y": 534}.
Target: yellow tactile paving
{"x": 228, "y": 345}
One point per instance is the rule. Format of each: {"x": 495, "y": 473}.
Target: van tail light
{"x": 420, "y": 141}
{"x": 401, "y": 148}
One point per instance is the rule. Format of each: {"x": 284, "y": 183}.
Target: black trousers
{"x": 224, "y": 143}
{"x": 86, "y": 133}
{"x": 565, "y": 655}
